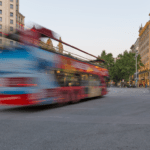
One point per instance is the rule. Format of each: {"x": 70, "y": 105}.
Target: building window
{"x": 11, "y": 6}
{"x": 17, "y": 7}
{"x": 11, "y": 28}
{"x": 0, "y": 26}
{"x": 11, "y": 14}
{"x": 16, "y": 1}
{"x": 11, "y": 21}
{"x": 0, "y": 41}
{"x": 11, "y": 0}
{"x": 0, "y": 18}
{"x": 11, "y": 42}
{"x": 0, "y": 3}
{"x": 0, "y": 11}
{"x": 0, "y": 34}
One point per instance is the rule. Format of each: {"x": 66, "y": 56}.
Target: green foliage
{"x": 123, "y": 67}
{"x": 69, "y": 54}
{"x": 109, "y": 61}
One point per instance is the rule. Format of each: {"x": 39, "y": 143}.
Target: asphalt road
{"x": 118, "y": 121}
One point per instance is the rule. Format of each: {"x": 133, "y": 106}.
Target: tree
{"x": 125, "y": 66}
{"x": 69, "y": 54}
{"x": 109, "y": 61}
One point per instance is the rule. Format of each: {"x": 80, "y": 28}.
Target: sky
{"x": 91, "y": 25}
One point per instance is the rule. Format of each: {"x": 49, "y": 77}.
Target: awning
{"x": 143, "y": 72}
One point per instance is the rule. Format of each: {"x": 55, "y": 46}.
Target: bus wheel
{"x": 75, "y": 98}
{"x": 67, "y": 98}
{"x": 61, "y": 101}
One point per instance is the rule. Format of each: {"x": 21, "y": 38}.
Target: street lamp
{"x": 136, "y": 55}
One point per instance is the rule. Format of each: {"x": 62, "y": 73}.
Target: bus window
{"x": 94, "y": 80}
{"x": 84, "y": 80}
{"x": 67, "y": 79}
{"x": 76, "y": 80}
{"x": 98, "y": 81}
{"x": 73, "y": 79}
{"x": 60, "y": 76}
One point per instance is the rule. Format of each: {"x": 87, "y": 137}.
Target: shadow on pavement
{"x": 38, "y": 108}
{"x": 27, "y": 109}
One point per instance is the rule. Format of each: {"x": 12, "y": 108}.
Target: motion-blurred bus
{"x": 31, "y": 75}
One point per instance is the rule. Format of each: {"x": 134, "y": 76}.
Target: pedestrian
{"x": 145, "y": 85}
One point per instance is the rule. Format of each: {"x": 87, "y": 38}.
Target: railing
{"x": 11, "y": 43}
{"x": 67, "y": 53}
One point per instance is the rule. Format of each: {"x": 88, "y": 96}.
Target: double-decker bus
{"x": 30, "y": 75}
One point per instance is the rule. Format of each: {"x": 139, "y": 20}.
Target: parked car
{"x": 141, "y": 85}
{"x": 129, "y": 86}
{"x": 134, "y": 86}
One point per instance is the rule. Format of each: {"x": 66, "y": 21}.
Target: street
{"x": 117, "y": 121}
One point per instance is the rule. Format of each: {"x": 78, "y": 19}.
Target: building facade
{"x": 10, "y": 19}
{"x": 134, "y": 49}
{"x": 60, "y": 46}
{"x": 144, "y": 51}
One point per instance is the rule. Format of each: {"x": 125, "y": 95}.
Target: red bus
{"x": 40, "y": 76}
